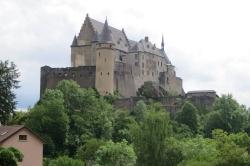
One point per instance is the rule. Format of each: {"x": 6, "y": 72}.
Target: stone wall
{"x": 83, "y": 75}
{"x": 127, "y": 103}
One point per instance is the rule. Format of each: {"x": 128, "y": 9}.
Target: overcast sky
{"x": 208, "y": 41}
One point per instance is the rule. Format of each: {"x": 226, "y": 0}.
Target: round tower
{"x": 104, "y": 82}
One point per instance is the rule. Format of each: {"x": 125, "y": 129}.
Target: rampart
{"x": 83, "y": 75}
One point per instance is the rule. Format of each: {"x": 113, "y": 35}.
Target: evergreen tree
{"x": 8, "y": 81}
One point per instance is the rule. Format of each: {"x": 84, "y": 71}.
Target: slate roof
{"x": 74, "y": 43}
{"x": 122, "y": 43}
{"x": 117, "y": 35}
{"x": 8, "y": 131}
{"x": 96, "y": 37}
{"x": 201, "y": 91}
{"x": 106, "y": 34}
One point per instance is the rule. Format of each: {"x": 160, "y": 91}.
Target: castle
{"x": 103, "y": 57}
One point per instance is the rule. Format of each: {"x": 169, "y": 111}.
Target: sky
{"x": 208, "y": 41}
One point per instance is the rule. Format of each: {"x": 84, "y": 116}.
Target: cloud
{"x": 208, "y": 42}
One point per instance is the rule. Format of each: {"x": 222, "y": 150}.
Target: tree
{"x": 188, "y": 115}
{"x": 10, "y": 156}
{"x": 8, "y": 81}
{"x": 112, "y": 154}
{"x": 66, "y": 161}
{"x": 139, "y": 111}
{"x": 51, "y": 122}
{"x": 87, "y": 152}
{"x": 122, "y": 121}
{"x": 149, "y": 137}
{"x": 90, "y": 115}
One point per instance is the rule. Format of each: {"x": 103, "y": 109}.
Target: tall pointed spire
{"x": 95, "y": 38}
{"x": 162, "y": 43}
{"x": 74, "y": 43}
{"x": 106, "y": 34}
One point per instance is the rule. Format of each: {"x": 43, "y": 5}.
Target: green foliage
{"x": 172, "y": 92}
{"x": 10, "y": 156}
{"x": 87, "y": 152}
{"x": 229, "y": 116}
{"x": 149, "y": 137}
{"x": 173, "y": 152}
{"x": 144, "y": 91}
{"x": 50, "y": 122}
{"x": 188, "y": 116}
{"x": 111, "y": 98}
{"x": 66, "y": 161}
{"x": 91, "y": 116}
{"x": 139, "y": 111}
{"x": 115, "y": 154}
{"x": 18, "y": 118}
{"x": 8, "y": 81}
{"x": 121, "y": 124}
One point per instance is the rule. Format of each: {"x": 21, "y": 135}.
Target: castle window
{"x": 136, "y": 63}
{"x": 73, "y": 74}
{"x": 152, "y": 73}
{"x": 161, "y": 63}
{"x": 54, "y": 74}
{"x": 110, "y": 45}
{"x": 118, "y": 42}
{"x": 136, "y": 56}
{"x": 101, "y": 73}
{"x": 143, "y": 57}
{"x": 148, "y": 46}
{"x": 65, "y": 74}
{"x": 90, "y": 74}
{"x": 105, "y": 59}
{"x": 108, "y": 73}
{"x": 157, "y": 72}
{"x": 126, "y": 45}
{"x": 142, "y": 72}
{"x": 167, "y": 80}
{"x": 142, "y": 65}
{"x": 99, "y": 54}
{"x": 81, "y": 75}
{"x": 158, "y": 63}
{"x": 60, "y": 74}
{"x": 99, "y": 45}
{"x": 148, "y": 73}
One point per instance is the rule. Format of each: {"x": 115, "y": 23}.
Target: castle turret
{"x": 105, "y": 62}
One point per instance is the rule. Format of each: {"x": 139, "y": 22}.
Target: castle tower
{"x": 104, "y": 82}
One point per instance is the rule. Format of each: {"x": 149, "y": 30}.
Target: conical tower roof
{"x": 95, "y": 38}
{"x": 74, "y": 43}
{"x": 106, "y": 34}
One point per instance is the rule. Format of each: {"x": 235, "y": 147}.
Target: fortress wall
{"x": 84, "y": 76}
{"x": 127, "y": 103}
{"x": 124, "y": 79}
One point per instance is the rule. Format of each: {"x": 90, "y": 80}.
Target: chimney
{"x": 146, "y": 38}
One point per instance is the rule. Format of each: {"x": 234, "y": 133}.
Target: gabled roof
{"x": 118, "y": 37}
{"x": 8, "y": 131}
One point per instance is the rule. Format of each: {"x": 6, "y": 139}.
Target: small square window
{"x": 22, "y": 137}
